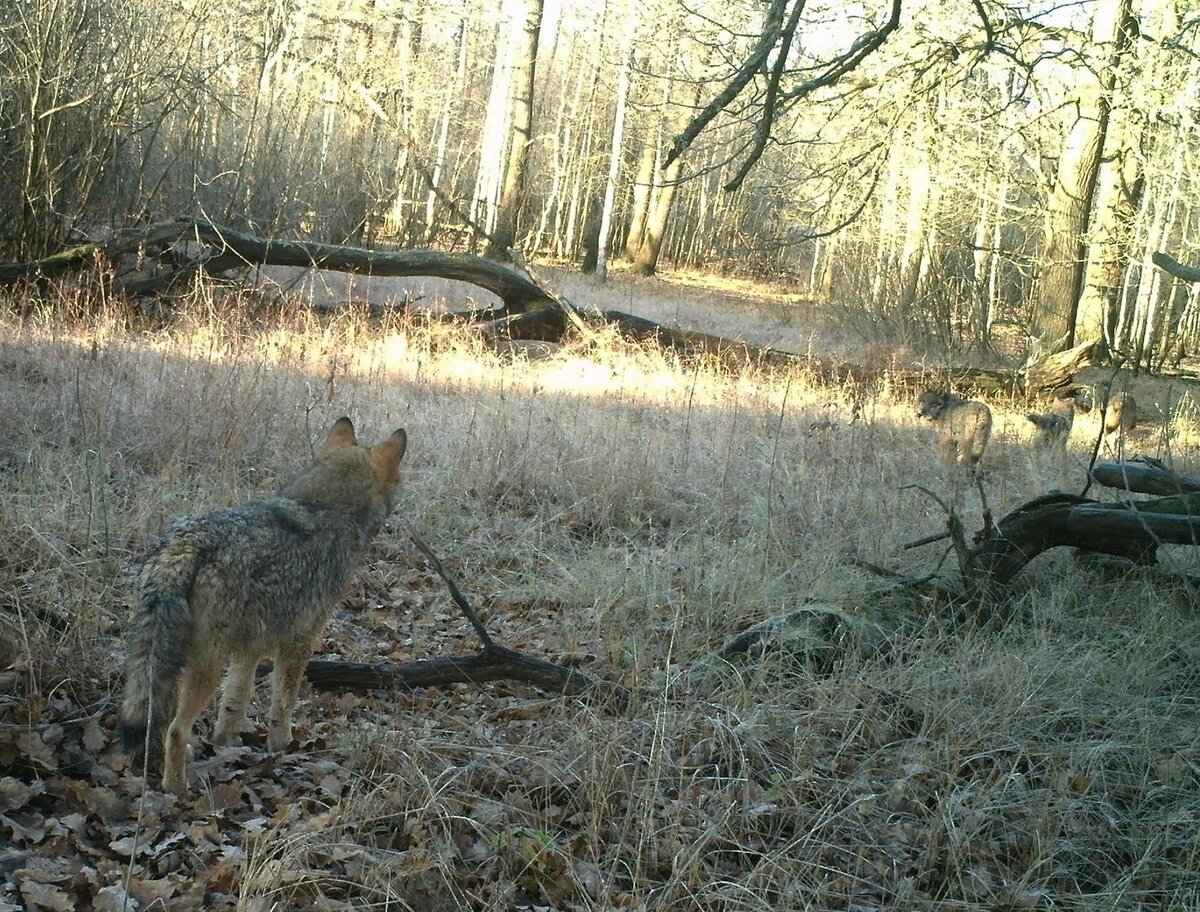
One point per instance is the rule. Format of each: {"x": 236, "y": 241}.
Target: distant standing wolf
{"x": 1120, "y": 417}
{"x": 1053, "y": 428}
{"x": 963, "y": 427}
{"x": 234, "y": 585}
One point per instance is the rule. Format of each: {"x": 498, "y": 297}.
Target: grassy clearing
{"x": 620, "y": 507}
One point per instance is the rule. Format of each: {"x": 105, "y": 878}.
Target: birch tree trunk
{"x": 453, "y": 91}
{"x": 493, "y": 143}
{"x": 1119, "y": 187}
{"x": 1150, "y": 289}
{"x": 614, "y": 166}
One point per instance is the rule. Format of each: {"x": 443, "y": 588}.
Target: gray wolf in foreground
{"x": 963, "y": 427}
{"x": 228, "y": 587}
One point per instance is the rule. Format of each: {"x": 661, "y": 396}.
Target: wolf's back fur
{"x": 233, "y": 585}
{"x": 963, "y": 427}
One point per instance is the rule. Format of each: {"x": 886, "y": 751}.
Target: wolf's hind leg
{"x": 290, "y": 662}
{"x": 195, "y": 687}
{"x": 235, "y": 697}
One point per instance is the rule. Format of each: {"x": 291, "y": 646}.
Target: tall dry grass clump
{"x": 617, "y": 506}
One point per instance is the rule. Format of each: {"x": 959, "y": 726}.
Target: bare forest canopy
{"x": 976, "y": 174}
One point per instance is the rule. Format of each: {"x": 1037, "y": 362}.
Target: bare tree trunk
{"x": 453, "y": 91}
{"x": 667, "y": 183}
{"x": 551, "y": 204}
{"x": 566, "y": 164}
{"x": 640, "y": 207}
{"x": 889, "y": 208}
{"x": 493, "y": 142}
{"x": 1119, "y": 187}
{"x": 1151, "y": 285}
{"x": 614, "y": 168}
{"x": 1060, "y": 282}
{"x": 827, "y": 283}
{"x": 912, "y": 254}
{"x": 527, "y": 24}
{"x": 984, "y": 254}
{"x": 581, "y": 185}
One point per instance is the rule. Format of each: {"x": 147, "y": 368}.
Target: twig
{"x": 954, "y": 531}
{"x": 928, "y": 493}
{"x": 985, "y": 533}
{"x": 455, "y": 594}
{"x": 927, "y": 540}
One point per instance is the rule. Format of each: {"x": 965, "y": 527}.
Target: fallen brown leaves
{"x": 81, "y": 831}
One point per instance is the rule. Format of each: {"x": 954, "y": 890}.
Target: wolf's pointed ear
{"x": 340, "y": 435}
{"x": 387, "y": 455}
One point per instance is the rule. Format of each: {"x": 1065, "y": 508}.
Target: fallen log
{"x": 532, "y": 310}
{"x": 1047, "y": 378}
{"x": 1132, "y": 530}
{"x": 1143, "y": 478}
{"x": 230, "y": 247}
{"x": 493, "y": 662}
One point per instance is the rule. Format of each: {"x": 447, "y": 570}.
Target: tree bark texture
{"x": 645, "y": 262}
{"x": 527, "y": 26}
{"x": 1060, "y": 281}
{"x": 1119, "y": 189}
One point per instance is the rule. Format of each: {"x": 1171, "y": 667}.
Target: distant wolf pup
{"x": 228, "y": 587}
{"x": 963, "y": 427}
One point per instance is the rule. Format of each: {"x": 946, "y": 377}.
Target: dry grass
{"x": 615, "y": 502}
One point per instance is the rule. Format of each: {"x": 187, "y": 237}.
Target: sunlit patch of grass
{"x": 619, "y": 502}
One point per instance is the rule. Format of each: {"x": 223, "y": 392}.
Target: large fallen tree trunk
{"x": 1143, "y": 478}
{"x": 1049, "y": 377}
{"x": 817, "y": 634}
{"x": 226, "y": 248}
{"x": 1132, "y": 529}
{"x": 531, "y": 310}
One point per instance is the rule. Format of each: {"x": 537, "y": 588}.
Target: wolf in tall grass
{"x": 1120, "y": 417}
{"x": 963, "y": 427}
{"x": 1052, "y": 429}
{"x": 228, "y": 587}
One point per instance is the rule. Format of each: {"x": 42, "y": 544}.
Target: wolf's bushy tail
{"x": 157, "y": 646}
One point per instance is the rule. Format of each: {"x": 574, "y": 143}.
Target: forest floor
{"x": 611, "y": 506}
